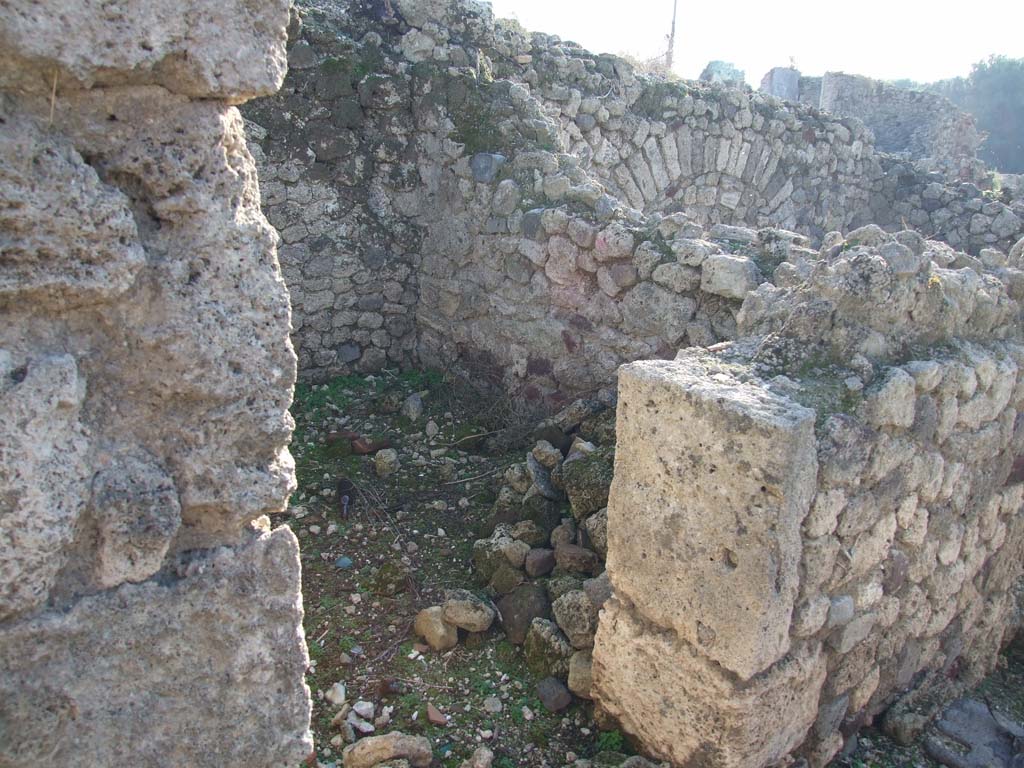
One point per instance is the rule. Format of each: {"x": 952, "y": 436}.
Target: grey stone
{"x": 598, "y": 589}
{"x": 539, "y": 562}
{"x": 532, "y": 223}
{"x": 412, "y": 408}
{"x": 547, "y": 650}
{"x": 553, "y": 694}
{"x": 485, "y": 166}
{"x": 519, "y": 608}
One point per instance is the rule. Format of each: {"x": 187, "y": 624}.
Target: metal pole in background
{"x": 672, "y": 38}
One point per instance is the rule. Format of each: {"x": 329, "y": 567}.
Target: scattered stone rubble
{"x": 545, "y": 557}
{"x": 148, "y": 615}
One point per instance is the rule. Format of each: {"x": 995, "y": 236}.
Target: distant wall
{"x": 422, "y": 174}
{"x": 923, "y": 125}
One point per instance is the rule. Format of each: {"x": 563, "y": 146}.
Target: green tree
{"x": 994, "y": 94}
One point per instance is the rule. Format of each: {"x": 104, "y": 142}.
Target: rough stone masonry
{"x": 821, "y": 516}
{"x": 148, "y": 616}
{"x": 453, "y": 191}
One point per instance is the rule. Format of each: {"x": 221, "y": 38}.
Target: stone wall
{"x": 830, "y": 511}
{"x": 441, "y": 181}
{"x": 148, "y": 616}
{"x": 959, "y": 214}
{"x": 923, "y": 125}
{"x": 782, "y": 83}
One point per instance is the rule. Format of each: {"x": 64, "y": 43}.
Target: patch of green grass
{"x": 347, "y": 643}
{"x": 420, "y": 380}
{"x": 312, "y": 398}
{"x": 610, "y": 741}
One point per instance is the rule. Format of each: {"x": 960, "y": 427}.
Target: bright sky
{"x": 924, "y": 40}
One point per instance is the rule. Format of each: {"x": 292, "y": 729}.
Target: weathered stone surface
{"x": 581, "y": 673}
{"x": 576, "y": 559}
{"x": 46, "y": 481}
{"x": 587, "y": 480}
{"x": 576, "y": 617}
{"x": 553, "y": 694}
{"x": 146, "y": 377}
{"x": 155, "y": 645}
{"x": 757, "y": 459}
{"x": 729, "y": 276}
{"x": 52, "y": 256}
{"x": 596, "y": 527}
{"x": 633, "y": 668}
{"x": 467, "y": 611}
{"x": 202, "y": 49}
{"x": 539, "y": 562}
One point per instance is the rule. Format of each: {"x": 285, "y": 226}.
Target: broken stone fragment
{"x": 614, "y": 242}
{"x": 412, "y": 408}
{"x": 467, "y": 611}
{"x": 386, "y": 463}
{"x": 587, "y": 479}
{"x": 892, "y": 402}
{"x": 485, "y": 166}
{"x": 482, "y": 757}
{"x": 547, "y": 649}
{"x": 488, "y": 556}
{"x": 576, "y": 559}
{"x": 549, "y": 456}
{"x": 581, "y": 673}
{"x": 598, "y": 589}
{"x": 565, "y": 533}
{"x": 541, "y": 477}
{"x": 529, "y": 532}
{"x": 596, "y": 527}
{"x": 515, "y": 551}
{"x": 431, "y": 626}
{"x": 396, "y": 745}
{"x": 576, "y": 617}
{"x": 539, "y": 562}
{"x": 506, "y": 579}
{"x": 729, "y": 276}
{"x": 435, "y": 716}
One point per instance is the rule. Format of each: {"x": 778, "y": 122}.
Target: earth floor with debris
{"x": 397, "y": 475}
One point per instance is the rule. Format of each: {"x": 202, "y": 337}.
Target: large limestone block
{"x": 713, "y": 477}
{"x": 687, "y": 710}
{"x": 226, "y": 49}
{"x": 202, "y": 334}
{"x": 203, "y": 668}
